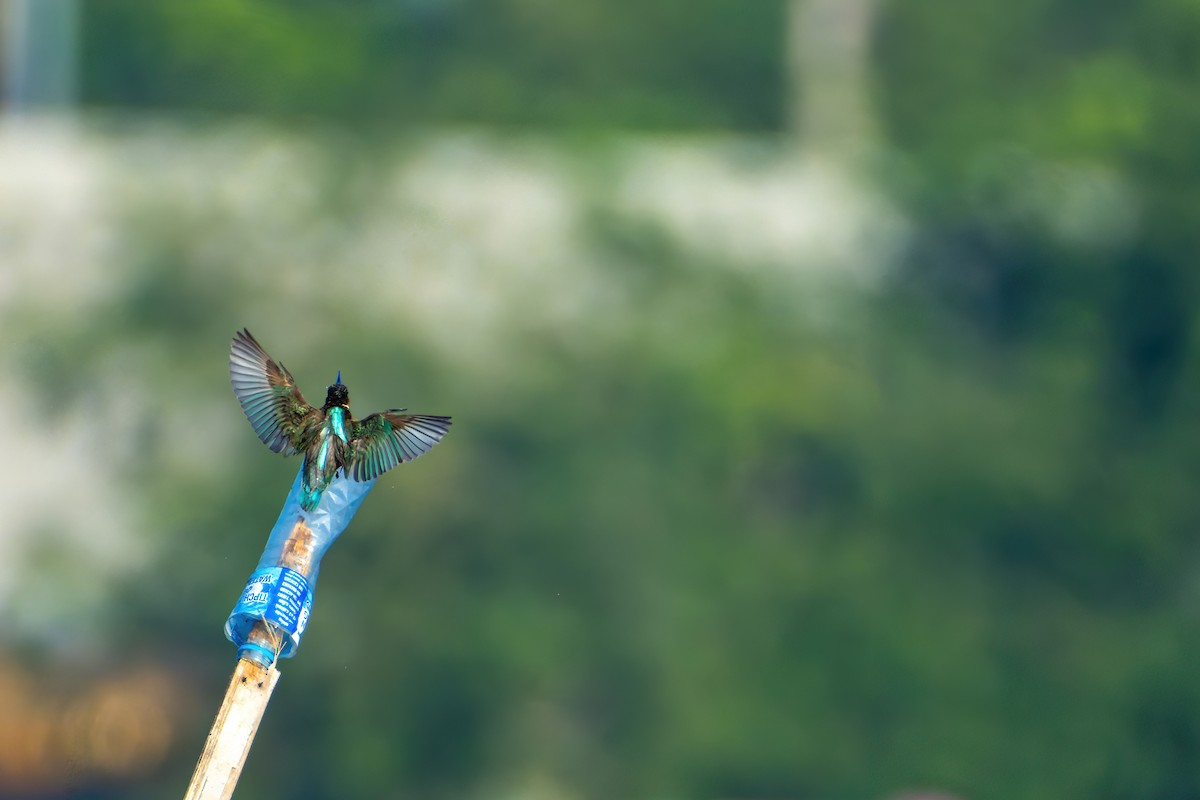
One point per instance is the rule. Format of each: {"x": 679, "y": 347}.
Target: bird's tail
{"x": 310, "y": 499}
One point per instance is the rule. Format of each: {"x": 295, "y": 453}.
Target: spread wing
{"x": 381, "y": 441}
{"x": 268, "y": 394}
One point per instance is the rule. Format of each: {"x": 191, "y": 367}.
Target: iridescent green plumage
{"x": 330, "y": 438}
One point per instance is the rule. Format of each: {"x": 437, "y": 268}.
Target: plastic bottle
{"x": 273, "y": 611}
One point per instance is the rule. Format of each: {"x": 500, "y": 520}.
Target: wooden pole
{"x": 233, "y": 732}
{"x": 249, "y": 691}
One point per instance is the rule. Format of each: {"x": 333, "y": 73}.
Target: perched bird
{"x": 330, "y": 438}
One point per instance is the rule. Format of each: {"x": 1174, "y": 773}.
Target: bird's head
{"x": 337, "y": 394}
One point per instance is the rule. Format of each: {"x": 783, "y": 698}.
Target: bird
{"x": 330, "y": 438}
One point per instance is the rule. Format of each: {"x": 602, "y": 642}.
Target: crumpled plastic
{"x": 273, "y": 610}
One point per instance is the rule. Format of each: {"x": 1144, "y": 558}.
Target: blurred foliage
{"x": 719, "y": 548}
{"x": 417, "y": 62}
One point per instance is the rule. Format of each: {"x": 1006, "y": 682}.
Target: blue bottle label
{"x": 277, "y": 595}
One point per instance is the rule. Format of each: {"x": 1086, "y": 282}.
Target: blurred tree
{"x": 670, "y": 64}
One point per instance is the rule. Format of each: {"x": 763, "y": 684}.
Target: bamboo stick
{"x": 249, "y": 691}
{"x": 232, "y": 733}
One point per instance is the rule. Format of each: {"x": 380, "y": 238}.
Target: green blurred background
{"x": 825, "y": 381}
